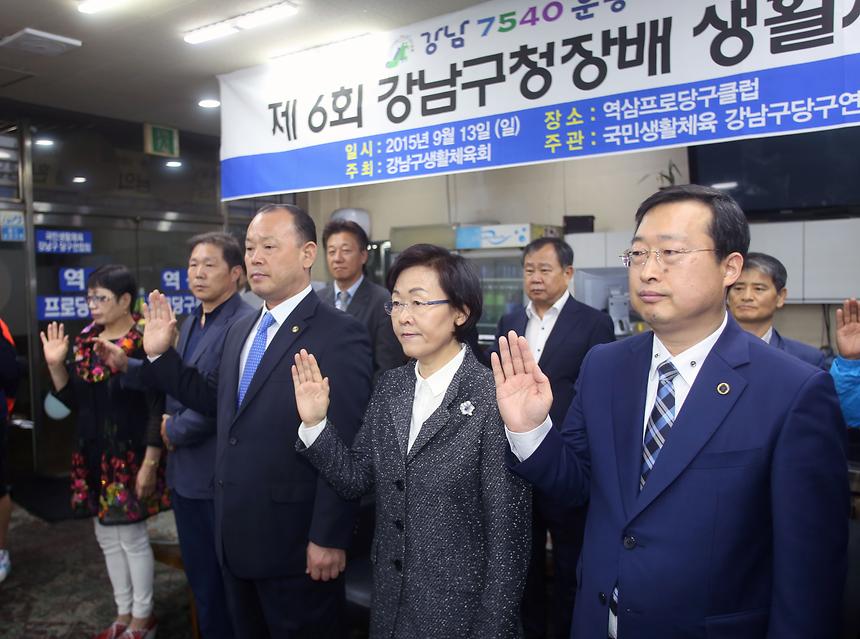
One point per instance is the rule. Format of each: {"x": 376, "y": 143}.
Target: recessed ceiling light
{"x": 210, "y": 32}
{"x": 79, "y": 179}
{"x": 209, "y": 104}
{"x": 44, "y": 142}
{"x": 173, "y": 164}
{"x": 94, "y": 6}
{"x": 248, "y": 20}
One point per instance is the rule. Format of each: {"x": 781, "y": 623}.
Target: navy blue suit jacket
{"x": 741, "y": 530}
{"x": 269, "y": 502}
{"x": 578, "y": 328}
{"x": 807, "y": 353}
{"x": 191, "y": 464}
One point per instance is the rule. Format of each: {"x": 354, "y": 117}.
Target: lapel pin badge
{"x": 723, "y": 388}
{"x": 467, "y": 408}
{"x": 295, "y": 329}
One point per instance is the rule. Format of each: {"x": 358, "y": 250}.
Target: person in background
{"x": 451, "y": 537}
{"x": 345, "y": 244}
{"x": 10, "y": 374}
{"x": 846, "y": 371}
{"x": 754, "y": 300}
{"x": 713, "y": 464}
{"x": 281, "y": 530}
{"x": 214, "y": 268}
{"x": 560, "y": 331}
{"x": 115, "y": 470}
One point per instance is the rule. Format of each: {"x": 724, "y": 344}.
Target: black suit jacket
{"x": 367, "y": 307}
{"x": 578, "y": 328}
{"x": 269, "y": 502}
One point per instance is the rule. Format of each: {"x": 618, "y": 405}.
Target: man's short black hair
{"x": 228, "y": 244}
{"x": 117, "y": 279}
{"x": 345, "y": 226}
{"x": 729, "y": 228}
{"x": 306, "y": 230}
{"x": 457, "y": 278}
{"x": 768, "y": 265}
{"x": 563, "y": 250}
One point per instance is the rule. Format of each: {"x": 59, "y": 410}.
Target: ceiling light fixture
{"x": 209, "y": 103}
{"x": 173, "y": 164}
{"x": 44, "y": 142}
{"x": 79, "y": 179}
{"x": 243, "y": 21}
{"x": 94, "y": 6}
{"x": 724, "y": 186}
{"x": 5, "y": 155}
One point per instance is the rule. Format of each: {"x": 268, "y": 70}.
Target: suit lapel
{"x": 568, "y": 321}
{"x": 628, "y": 415}
{"x": 184, "y": 334}
{"x": 359, "y": 300}
{"x": 229, "y": 368}
{"x": 702, "y": 413}
{"x": 401, "y": 417}
{"x": 213, "y": 331}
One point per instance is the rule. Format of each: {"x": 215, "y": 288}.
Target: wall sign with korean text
{"x": 64, "y": 241}
{"x": 509, "y": 82}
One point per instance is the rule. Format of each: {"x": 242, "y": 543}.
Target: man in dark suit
{"x": 713, "y": 464}
{"x": 281, "y": 531}
{"x": 560, "y": 331}
{"x": 754, "y": 299}
{"x": 345, "y": 244}
{"x": 214, "y": 271}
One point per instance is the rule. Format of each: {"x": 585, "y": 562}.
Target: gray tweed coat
{"x": 451, "y": 544}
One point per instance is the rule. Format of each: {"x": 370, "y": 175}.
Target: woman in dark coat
{"x": 115, "y": 469}
{"x": 451, "y": 544}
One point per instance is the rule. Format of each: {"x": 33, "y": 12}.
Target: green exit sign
{"x": 161, "y": 140}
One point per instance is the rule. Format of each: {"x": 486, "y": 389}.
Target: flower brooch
{"x": 467, "y": 408}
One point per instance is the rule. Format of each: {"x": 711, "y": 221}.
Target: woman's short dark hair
{"x": 116, "y": 278}
{"x": 729, "y": 228}
{"x": 306, "y": 230}
{"x": 230, "y": 250}
{"x": 457, "y": 278}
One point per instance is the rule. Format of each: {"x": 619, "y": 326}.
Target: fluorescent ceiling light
{"x": 44, "y": 142}
{"x": 94, "y": 6}
{"x": 209, "y": 103}
{"x": 264, "y": 16}
{"x": 243, "y": 21}
{"x": 211, "y": 32}
{"x": 173, "y": 164}
{"x": 5, "y": 155}
{"x": 724, "y": 186}
{"x": 79, "y": 179}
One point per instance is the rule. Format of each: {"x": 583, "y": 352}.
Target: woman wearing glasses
{"x": 115, "y": 470}
{"x": 450, "y": 548}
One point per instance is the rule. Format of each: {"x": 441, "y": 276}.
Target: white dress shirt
{"x": 688, "y": 363}
{"x": 280, "y": 313}
{"x": 539, "y": 328}
{"x": 768, "y": 334}
{"x": 429, "y": 393}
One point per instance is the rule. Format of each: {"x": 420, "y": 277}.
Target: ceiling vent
{"x": 38, "y": 42}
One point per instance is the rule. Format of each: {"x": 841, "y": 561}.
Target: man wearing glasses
{"x": 713, "y": 463}
{"x": 560, "y": 331}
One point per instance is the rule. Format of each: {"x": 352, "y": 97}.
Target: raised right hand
{"x": 160, "y": 324}
{"x": 312, "y": 390}
{"x": 848, "y": 329}
{"x": 522, "y": 390}
{"x": 55, "y": 344}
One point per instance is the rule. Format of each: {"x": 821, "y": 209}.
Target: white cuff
{"x": 309, "y": 434}
{"x": 524, "y": 444}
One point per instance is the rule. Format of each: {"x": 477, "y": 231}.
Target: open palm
{"x": 55, "y": 344}
{"x": 522, "y": 390}
{"x": 848, "y": 329}
{"x": 160, "y": 324}
{"x": 312, "y": 389}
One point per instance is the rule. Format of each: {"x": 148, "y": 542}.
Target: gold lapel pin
{"x": 723, "y": 388}
{"x": 295, "y": 329}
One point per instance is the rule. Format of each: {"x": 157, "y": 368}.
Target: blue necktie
{"x": 342, "y": 300}
{"x": 661, "y": 420}
{"x": 258, "y": 347}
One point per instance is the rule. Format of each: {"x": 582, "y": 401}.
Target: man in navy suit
{"x": 281, "y": 531}
{"x": 560, "y": 331}
{"x": 754, "y": 299}
{"x": 713, "y": 464}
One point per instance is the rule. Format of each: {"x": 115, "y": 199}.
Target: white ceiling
{"x": 134, "y": 65}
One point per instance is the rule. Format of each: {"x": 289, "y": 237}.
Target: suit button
{"x": 398, "y": 565}
{"x": 399, "y": 485}
{"x": 220, "y": 483}
{"x": 233, "y": 441}
{"x": 602, "y": 597}
{"x": 629, "y": 542}
{"x": 398, "y": 524}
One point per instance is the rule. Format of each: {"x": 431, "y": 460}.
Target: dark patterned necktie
{"x": 661, "y": 420}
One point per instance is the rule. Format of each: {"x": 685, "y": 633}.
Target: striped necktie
{"x": 661, "y": 420}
